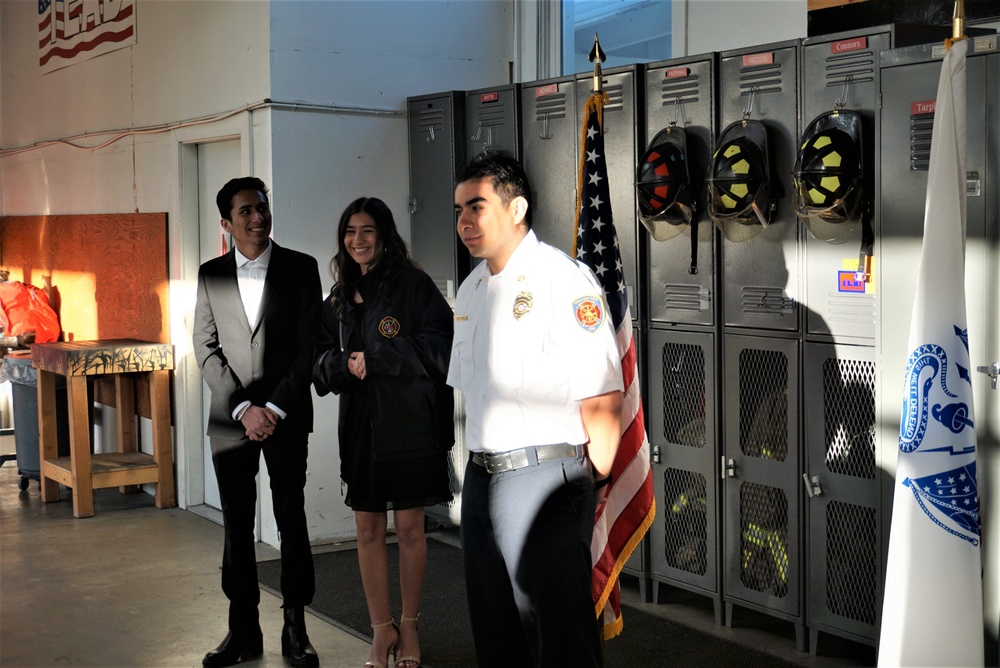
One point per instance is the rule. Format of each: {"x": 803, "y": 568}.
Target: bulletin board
{"x": 105, "y": 274}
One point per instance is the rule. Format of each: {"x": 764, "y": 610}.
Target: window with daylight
{"x": 631, "y": 31}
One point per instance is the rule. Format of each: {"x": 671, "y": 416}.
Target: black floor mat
{"x": 445, "y": 637}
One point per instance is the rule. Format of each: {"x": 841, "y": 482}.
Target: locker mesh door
{"x": 684, "y": 538}
{"x": 764, "y": 404}
{"x": 684, "y": 395}
{"x": 852, "y": 575}
{"x": 764, "y": 539}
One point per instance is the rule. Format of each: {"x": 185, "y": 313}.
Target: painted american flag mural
{"x": 626, "y": 517}
{"x": 71, "y": 31}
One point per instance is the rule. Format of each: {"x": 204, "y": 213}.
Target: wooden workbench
{"x": 125, "y": 361}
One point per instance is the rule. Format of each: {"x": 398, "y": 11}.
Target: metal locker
{"x": 681, "y": 92}
{"x": 437, "y": 149}
{"x": 760, "y": 276}
{"x": 622, "y": 134}
{"x": 684, "y": 539}
{"x": 493, "y": 121}
{"x": 436, "y": 131}
{"x": 842, "y": 71}
{"x": 761, "y": 468}
{"x": 551, "y": 133}
{"x": 842, "y": 483}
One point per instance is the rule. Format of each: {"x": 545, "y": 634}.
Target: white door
{"x": 217, "y": 163}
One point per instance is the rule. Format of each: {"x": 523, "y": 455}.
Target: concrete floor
{"x": 139, "y": 586}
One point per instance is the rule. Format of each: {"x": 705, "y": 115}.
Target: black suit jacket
{"x": 270, "y": 361}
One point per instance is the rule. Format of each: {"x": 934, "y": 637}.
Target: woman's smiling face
{"x": 361, "y": 241}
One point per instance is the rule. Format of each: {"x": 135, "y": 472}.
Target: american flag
{"x": 70, "y": 31}
{"x": 932, "y": 609}
{"x": 622, "y": 522}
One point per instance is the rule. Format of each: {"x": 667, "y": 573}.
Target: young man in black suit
{"x": 256, "y": 325}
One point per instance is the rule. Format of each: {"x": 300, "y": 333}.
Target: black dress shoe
{"x": 236, "y": 646}
{"x": 294, "y": 641}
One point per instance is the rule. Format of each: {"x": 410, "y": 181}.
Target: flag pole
{"x": 597, "y": 56}
{"x": 957, "y": 25}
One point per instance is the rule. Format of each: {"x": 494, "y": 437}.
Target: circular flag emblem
{"x": 389, "y": 327}
{"x": 589, "y": 312}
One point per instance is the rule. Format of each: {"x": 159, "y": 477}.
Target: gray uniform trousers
{"x": 526, "y": 543}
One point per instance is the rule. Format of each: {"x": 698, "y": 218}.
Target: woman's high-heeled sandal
{"x": 409, "y": 661}
{"x": 393, "y": 649}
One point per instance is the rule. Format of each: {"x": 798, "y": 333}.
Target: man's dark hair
{"x": 224, "y": 200}
{"x": 393, "y": 254}
{"x": 506, "y": 175}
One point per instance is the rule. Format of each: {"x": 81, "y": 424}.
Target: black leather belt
{"x": 499, "y": 462}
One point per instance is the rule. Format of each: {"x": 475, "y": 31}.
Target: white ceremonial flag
{"x": 932, "y": 612}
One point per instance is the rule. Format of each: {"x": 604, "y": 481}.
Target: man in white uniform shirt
{"x": 535, "y": 357}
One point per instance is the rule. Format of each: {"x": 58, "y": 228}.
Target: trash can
{"x": 24, "y": 397}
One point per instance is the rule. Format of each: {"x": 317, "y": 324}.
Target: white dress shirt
{"x": 250, "y": 275}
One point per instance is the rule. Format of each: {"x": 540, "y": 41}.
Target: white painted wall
{"x": 703, "y": 26}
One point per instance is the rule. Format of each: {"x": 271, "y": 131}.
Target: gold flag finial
{"x": 958, "y": 20}
{"x": 597, "y": 57}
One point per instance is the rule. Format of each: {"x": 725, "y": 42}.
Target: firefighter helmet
{"x": 663, "y": 185}
{"x": 740, "y": 184}
{"x": 829, "y": 176}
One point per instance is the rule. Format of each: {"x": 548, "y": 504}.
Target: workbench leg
{"x": 159, "y": 405}
{"x": 125, "y": 409}
{"x": 48, "y": 433}
{"x": 79, "y": 446}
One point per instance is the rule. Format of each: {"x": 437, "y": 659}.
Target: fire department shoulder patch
{"x": 389, "y": 327}
{"x": 589, "y": 312}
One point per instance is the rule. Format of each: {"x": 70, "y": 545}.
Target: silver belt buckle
{"x": 496, "y": 462}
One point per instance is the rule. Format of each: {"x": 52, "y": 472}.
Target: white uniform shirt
{"x": 524, "y": 377}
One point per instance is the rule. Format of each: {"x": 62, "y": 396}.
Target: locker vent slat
{"x": 920, "y": 141}
{"x": 686, "y": 297}
{"x": 858, "y": 65}
{"x": 766, "y": 301}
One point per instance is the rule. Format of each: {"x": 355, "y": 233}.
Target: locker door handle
{"x": 812, "y": 485}
{"x": 728, "y": 468}
{"x": 993, "y": 371}
{"x": 656, "y": 454}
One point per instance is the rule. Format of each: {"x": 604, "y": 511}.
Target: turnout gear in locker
{"x": 665, "y": 193}
{"x": 742, "y": 200}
